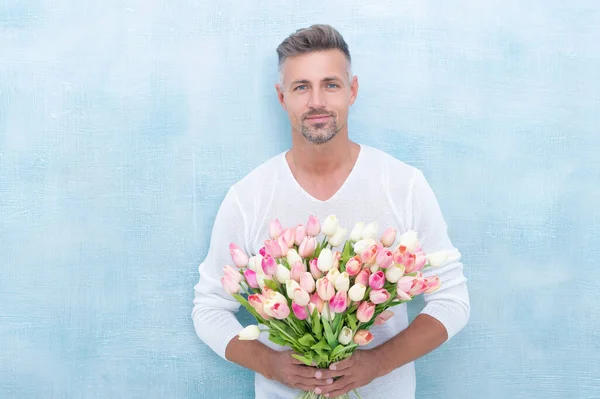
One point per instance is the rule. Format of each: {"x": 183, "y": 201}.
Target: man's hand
{"x": 293, "y": 373}
{"x": 354, "y": 372}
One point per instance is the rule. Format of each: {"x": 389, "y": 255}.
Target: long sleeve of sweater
{"x": 213, "y": 311}
{"x": 450, "y": 304}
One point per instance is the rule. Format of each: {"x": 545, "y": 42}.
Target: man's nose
{"x": 316, "y": 99}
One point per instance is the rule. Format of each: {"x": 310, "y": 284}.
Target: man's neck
{"x": 322, "y": 159}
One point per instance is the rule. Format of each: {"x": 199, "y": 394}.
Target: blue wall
{"x": 123, "y": 123}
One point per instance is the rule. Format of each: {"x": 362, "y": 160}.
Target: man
{"x": 326, "y": 173}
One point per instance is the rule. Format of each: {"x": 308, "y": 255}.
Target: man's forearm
{"x": 253, "y": 355}
{"x": 422, "y": 336}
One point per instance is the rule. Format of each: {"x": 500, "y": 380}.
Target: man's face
{"x": 316, "y": 93}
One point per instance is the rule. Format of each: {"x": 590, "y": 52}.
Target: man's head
{"x": 316, "y": 86}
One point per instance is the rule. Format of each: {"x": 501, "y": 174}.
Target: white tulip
{"x": 362, "y": 245}
{"x": 440, "y": 258}
{"x": 293, "y": 257}
{"x": 282, "y": 274}
{"x": 249, "y": 333}
{"x": 370, "y": 231}
{"x": 260, "y": 279}
{"x": 301, "y": 297}
{"x": 326, "y": 313}
{"x": 332, "y": 275}
{"x": 338, "y": 238}
{"x": 290, "y": 287}
{"x": 394, "y": 273}
{"x": 357, "y": 292}
{"x": 325, "y": 260}
{"x": 356, "y": 233}
{"x": 409, "y": 240}
{"x": 342, "y": 282}
{"x": 345, "y": 336}
{"x": 330, "y": 225}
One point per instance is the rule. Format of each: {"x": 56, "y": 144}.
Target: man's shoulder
{"x": 264, "y": 172}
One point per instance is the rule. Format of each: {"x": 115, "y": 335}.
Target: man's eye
{"x": 332, "y": 85}
{"x": 301, "y": 87}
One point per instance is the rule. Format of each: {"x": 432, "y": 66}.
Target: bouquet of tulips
{"x": 320, "y": 295}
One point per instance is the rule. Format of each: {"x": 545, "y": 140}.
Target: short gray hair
{"x": 317, "y": 37}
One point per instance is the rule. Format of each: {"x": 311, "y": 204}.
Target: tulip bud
{"x": 363, "y": 337}
{"x": 300, "y": 234}
{"x": 345, "y": 336}
{"x": 316, "y": 300}
{"x": 283, "y": 245}
{"x": 363, "y": 277}
{"x": 278, "y": 310}
{"x": 240, "y": 259}
{"x": 377, "y": 280}
{"x": 440, "y": 258}
{"x": 379, "y": 296}
{"x": 383, "y": 317}
{"x": 356, "y": 233}
{"x": 299, "y": 311}
{"x": 353, "y": 266}
{"x": 260, "y": 279}
{"x": 339, "y": 302}
{"x": 256, "y": 301}
{"x": 307, "y": 282}
{"x": 232, "y": 273}
{"x": 332, "y": 275}
{"x": 338, "y": 238}
{"x": 275, "y": 229}
{"x": 262, "y": 251}
{"x": 365, "y": 312}
{"x": 292, "y": 257}
{"x": 330, "y": 225}
{"x": 313, "y": 227}
{"x": 249, "y": 333}
{"x": 357, "y": 292}
{"x": 250, "y": 276}
{"x": 230, "y": 285}
{"x": 342, "y": 282}
{"x": 297, "y": 269}
{"x": 362, "y": 245}
{"x": 433, "y": 284}
{"x": 385, "y": 258}
{"x": 314, "y": 269}
{"x": 394, "y": 273}
{"x": 282, "y": 274}
{"x": 273, "y": 249}
{"x": 405, "y": 283}
{"x": 255, "y": 263}
{"x": 370, "y": 231}
{"x": 289, "y": 235}
{"x": 269, "y": 266}
{"x": 325, "y": 289}
{"x": 307, "y": 247}
{"x": 409, "y": 240}
{"x": 337, "y": 255}
{"x": 388, "y": 237}
{"x": 325, "y": 260}
{"x": 290, "y": 287}
{"x": 301, "y": 297}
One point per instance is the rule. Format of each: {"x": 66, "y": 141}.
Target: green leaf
{"x": 303, "y": 359}
{"x": 340, "y": 349}
{"x": 352, "y": 320}
{"x": 337, "y": 325}
{"x": 278, "y": 340}
{"x": 272, "y": 285}
{"x": 321, "y": 345}
{"x": 285, "y": 263}
{"x": 331, "y": 339}
{"x": 307, "y": 340}
{"x": 316, "y": 325}
{"x": 249, "y": 308}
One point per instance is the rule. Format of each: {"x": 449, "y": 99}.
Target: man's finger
{"x": 343, "y": 364}
{"x": 341, "y": 385}
{"x": 323, "y": 374}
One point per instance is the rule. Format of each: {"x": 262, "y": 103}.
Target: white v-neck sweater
{"x": 379, "y": 188}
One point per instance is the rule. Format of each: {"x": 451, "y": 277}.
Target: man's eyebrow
{"x": 306, "y": 81}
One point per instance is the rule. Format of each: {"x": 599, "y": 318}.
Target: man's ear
{"x": 280, "y": 95}
{"x": 353, "y": 89}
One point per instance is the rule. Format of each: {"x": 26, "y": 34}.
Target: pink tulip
{"x": 256, "y": 301}
{"x": 385, "y": 259}
{"x": 240, "y": 259}
{"x": 262, "y": 251}
{"x": 377, "y": 280}
{"x": 299, "y": 311}
{"x": 405, "y": 283}
{"x": 388, "y": 237}
{"x": 337, "y": 255}
{"x": 307, "y": 282}
{"x": 369, "y": 255}
{"x": 300, "y": 234}
{"x": 353, "y": 266}
{"x": 275, "y": 229}
{"x": 278, "y": 310}
{"x": 314, "y": 269}
{"x": 419, "y": 287}
{"x": 420, "y": 261}
{"x": 433, "y": 283}
{"x": 316, "y": 300}
{"x": 363, "y": 277}
{"x": 339, "y": 302}
{"x": 297, "y": 270}
{"x": 313, "y": 227}
{"x": 401, "y": 256}
{"x": 379, "y": 296}
{"x": 363, "y": 337}
{"x": 283, "y": 244}
{"x": 232, "y": 273}
{"x": 230, "y": 285}
{"x": 272, "y": 248}
{"x": 307, "y": 247}
{"x": 269, "y": 265}
{"x": 383, "y": 317}
{"x": 365, "y": 311}
{"x": 289, "y": 235}
{"x": 250, "y": 276}
{"x": 325, "y": 288}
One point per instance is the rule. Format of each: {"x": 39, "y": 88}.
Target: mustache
{"x": 318, "y": 112}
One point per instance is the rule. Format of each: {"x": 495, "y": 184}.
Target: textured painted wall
{"x": 122, "y": 124}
